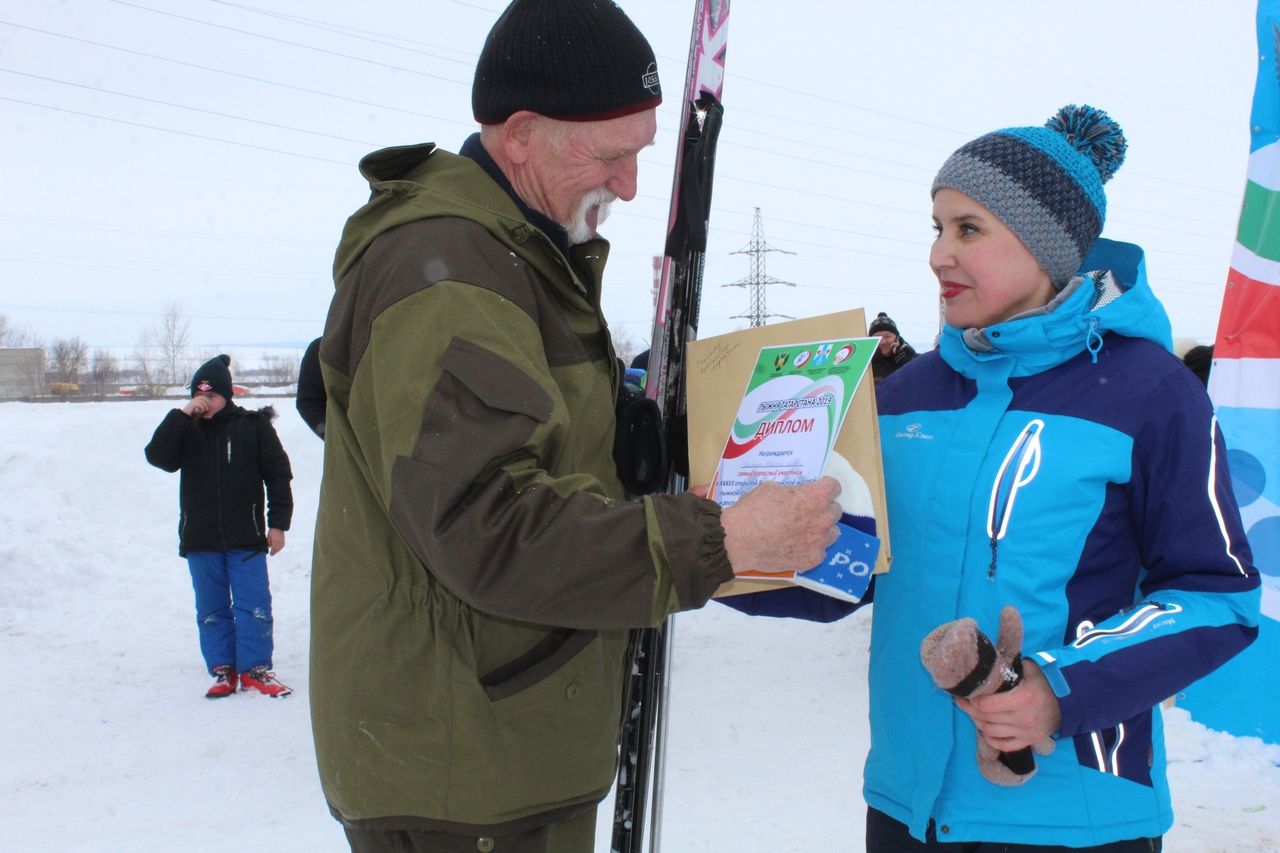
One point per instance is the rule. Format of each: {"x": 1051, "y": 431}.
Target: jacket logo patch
{"x": 914, "y": 431}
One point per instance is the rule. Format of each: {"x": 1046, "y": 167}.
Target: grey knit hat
{"x": 1044, "y": 183}
{"x": 573, "y": 60}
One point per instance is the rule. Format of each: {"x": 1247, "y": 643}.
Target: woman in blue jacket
{"x": 1074, "y": 469}
{"x": 1053, "y": 455}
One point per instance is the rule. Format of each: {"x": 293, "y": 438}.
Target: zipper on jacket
{"x": 217, "y": 481}
{"x": 1008, "y": 480}
{"x": 1093, "y": 340}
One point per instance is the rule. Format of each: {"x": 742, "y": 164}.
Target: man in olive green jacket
{"x": 478, "y": 564}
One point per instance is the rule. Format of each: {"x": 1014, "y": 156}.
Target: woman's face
{"x": 986, "y": 274}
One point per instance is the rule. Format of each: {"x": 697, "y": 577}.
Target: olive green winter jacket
{"x": 477, "y": 564}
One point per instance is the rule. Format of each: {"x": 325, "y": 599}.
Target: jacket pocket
{"x": 482, "y": 407}
{"x": 541, "y": 661}
{"x": 1124, "y": 751}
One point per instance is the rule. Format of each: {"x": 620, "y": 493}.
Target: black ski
{"x": 675, "y": 323}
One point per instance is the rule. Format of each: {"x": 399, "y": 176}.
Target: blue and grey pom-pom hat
{"x": 1044, "y": 183}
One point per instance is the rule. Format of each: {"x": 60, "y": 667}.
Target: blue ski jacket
{"x": 1068, "y": 464}
{"x": 1064, "y": 462}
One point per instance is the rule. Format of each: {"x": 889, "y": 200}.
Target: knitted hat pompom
{"x": 1094, "y": 134}
{"x": 882, "y": 323}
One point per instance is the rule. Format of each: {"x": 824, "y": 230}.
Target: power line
{"x": 171, "y": 130}
{"x": 63, "y": 309}
{"x": 363, "y": 35}
{"x": 186, "y": 107}
{"x": 842, "y": 199}
{"x": 475, "y": 6}
{"x": 164, "y": 267}
{"x": 730, "y": 143}
{"x": 300, "y": 45}
{"x": 237, "y": 74}
{"x": 160, "y": 232}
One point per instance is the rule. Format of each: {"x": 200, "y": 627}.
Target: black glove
{"x": 640, "y": 443}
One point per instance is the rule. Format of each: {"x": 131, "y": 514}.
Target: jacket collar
{"x": 417, "y": 181}
{"x": 1112, "y": 297}
{"x": 475, "y": 150}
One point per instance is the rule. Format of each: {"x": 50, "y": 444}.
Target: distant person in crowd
{"x": 1198, "y": 360}
{"x": 1053, "y": 456}
{"x": 227, "y": 455}
{"x": 893, "y": 352}
{"x": 311, "y": 399}
{"x": 479, "y": 563}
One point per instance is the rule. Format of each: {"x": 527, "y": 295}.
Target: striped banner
{"x": 1244, "y": 383}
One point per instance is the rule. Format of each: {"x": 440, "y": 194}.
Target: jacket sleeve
{"x": 1199, "y": 595}
{"x": 165, "y": 448}
{"x": 311, "y": 399}
{"x": 795, "y": 602}
{"x": 273, "y": 462}
{"x": 468, "y": 424}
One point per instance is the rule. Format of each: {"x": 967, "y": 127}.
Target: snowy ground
{"x": 108, "y": 743}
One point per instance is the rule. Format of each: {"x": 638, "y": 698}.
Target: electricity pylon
{"x": 758, "y": 280}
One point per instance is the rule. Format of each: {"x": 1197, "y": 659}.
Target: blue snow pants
{"x": 233, "y": 607}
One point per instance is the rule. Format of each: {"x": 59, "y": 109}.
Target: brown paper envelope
{"x": 717, "y": 374}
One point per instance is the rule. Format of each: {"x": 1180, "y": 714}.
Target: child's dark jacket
{"x": 225, "y": 462}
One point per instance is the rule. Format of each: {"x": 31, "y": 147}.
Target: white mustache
{"x": 600, "y": 199}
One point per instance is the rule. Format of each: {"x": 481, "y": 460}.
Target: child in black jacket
{"x": 226, "y": 454}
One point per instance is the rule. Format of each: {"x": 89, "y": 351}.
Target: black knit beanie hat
{"x": 1044, "y": 183}
{"x": 882, "y": 323}
{"x": 573, "y": 60}
{"x": 214, "y": 375}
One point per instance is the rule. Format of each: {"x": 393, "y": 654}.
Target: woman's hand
{"x": 1024, "y": 716}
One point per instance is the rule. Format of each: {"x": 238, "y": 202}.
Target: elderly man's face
{"x": 578, "y": 168}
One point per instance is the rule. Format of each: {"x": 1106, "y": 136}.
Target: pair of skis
{"x": 639, "y": 787}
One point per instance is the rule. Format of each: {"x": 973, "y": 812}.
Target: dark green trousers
{"x": 577, "y": 835}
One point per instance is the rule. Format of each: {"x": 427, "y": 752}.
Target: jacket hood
{"x": 412, "y": 182}
{"x": 1110, "y": 294}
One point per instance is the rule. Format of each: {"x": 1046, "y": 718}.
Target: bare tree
{"x": 18, "y": 336}
{"x": 144, "y": 364}
{"x": 103, "y": 370}
{"x": 625, "y": 346}
{"x": 280, "y": 369}
{"x": 172, "y": 337}
{"x": 68, "y": 359}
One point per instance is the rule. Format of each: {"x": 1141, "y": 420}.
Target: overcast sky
{"x": 203, "y": 151}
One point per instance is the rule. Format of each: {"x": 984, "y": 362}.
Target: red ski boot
{"x": 264, "y": 682}
{"x": 225, "y": 684}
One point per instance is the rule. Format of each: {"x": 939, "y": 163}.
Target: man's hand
{"x": 1024, "y": 716}
{"x": 777, "y": 528}
{"x": 275, "y": 541}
